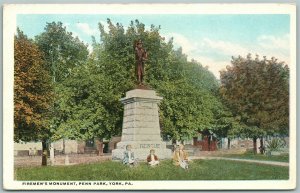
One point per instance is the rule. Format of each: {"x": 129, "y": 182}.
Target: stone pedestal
{"x": 141, "y": 127}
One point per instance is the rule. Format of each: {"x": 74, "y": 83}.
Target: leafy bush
{"x": 275, "y": 144}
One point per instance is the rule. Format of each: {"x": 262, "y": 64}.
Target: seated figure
{"x": 152, "y": 159}
{"x": 180, "y": 157}
{"x": 129, "y": 157}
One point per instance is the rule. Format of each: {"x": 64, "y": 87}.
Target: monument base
{"x": 142, "y": 149}
{"x": 141, "y": 127}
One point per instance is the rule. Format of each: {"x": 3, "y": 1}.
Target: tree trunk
{"x": 173, "y": 141}
{"x": 195, "y": 139}
{"x": 182, "y": 142}
{"x": 64, "y": 147}
{"x": 100, "y": 147}
{"x": 44, "y": 153}
{"x": 208, "y": 141}
{"x": 261, "y": 148}
{"x": 228, "y": 144}
{"x": 254, "y": 145}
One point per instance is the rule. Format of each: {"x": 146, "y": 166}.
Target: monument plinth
{"x": 141, "y": 127}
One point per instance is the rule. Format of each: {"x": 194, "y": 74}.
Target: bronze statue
{"x": 141, "y": 57}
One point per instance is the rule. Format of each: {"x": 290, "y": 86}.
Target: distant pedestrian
{"x": 30, "y": 153}
{"x": 34, "y": 151}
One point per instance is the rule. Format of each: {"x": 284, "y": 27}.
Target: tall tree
{"x": 258, "y": 93}
{"x": 62, "y": 51}
{"x": 32, "y": 93}
{"x": 90, "y": 105}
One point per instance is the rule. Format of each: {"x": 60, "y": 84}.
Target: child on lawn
{"x": 152, "y": 159}
{"x": 129, "y": 157}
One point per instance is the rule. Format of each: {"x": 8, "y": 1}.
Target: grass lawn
{"x": 279, "y": 158}
{"x": 198, "y": 170}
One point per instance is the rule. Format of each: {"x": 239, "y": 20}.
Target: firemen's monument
{"x": 141, "y": 127}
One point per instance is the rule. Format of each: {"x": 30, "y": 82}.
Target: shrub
{"x": 275, "y": 144}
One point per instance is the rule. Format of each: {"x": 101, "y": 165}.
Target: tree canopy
{"x": 257, "y": 91}
{"x": 32, "y": 91}
{"x": 61, "y": 51}
{"x": 251, "y": 100}
{"x": 90, "y": 96}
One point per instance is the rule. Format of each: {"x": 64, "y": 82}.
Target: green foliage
{"x": 198, "y": 170}
{"x": 185, "y": 110}
{"x": 61, "y": 51}
{"x": 275, "y": 144}
{"x": 225, "y": 125}
{"x": 188, "y": 89}
{"x": 89, "y": 105}
{"x": 89, "y": 97}
{"x": 87, "y": 91}
{"x": 252, "y": 102}
{"x": 257, "y": 92}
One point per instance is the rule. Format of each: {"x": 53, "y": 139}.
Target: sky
{"x": 211, "y": 39}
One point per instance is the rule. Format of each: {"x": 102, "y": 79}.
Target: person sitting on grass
{"x": 180, "y": 157}
{"x": 152, "y": 159}
{"x": 129, "y": 157}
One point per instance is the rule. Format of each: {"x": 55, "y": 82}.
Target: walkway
{"x": 26, "y": 161}
{"x": 92, "y": 158}
{"x": 274, "y": 163}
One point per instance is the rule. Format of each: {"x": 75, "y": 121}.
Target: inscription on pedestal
{"x": 149, "y": 145}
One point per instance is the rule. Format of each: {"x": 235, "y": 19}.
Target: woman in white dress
{"x": 180, "y": 157}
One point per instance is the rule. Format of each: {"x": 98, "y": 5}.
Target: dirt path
{"x": 27, "y": 161}
{"x": 274, "y": 163}
{"x": 86, "y": 158}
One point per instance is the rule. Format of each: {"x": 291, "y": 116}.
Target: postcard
{"x": 149, "y": 96}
